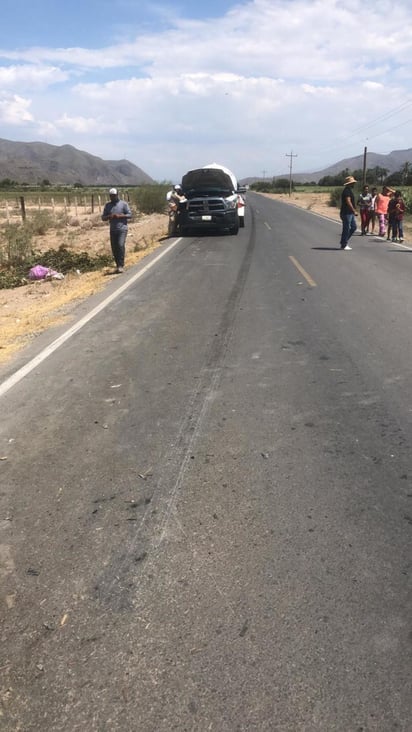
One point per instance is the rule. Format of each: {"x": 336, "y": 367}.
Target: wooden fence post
{"x": 92, "y": 203}
{"x": 22, "y": 208}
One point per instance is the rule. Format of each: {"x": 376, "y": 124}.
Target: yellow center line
{"x": 303, "y": 272}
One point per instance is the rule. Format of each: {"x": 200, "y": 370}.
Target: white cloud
{"x": 243, "y": 88}
{"x": 14, "y": 110}
{"x": 29, "y": 76}
{"x": 88, "y": 125}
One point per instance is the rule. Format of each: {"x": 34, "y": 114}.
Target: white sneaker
{"x": 347, "y": 248}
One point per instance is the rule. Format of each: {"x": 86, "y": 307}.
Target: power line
{"x": 378, "y": 134}
{"x": 382, "y": 117}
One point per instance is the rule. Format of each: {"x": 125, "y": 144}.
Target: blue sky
{"x": 176, "y": 85}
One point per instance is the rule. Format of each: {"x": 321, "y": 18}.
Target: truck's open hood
{"x": 225, "y": 170}
{"x": 208, "y": 178}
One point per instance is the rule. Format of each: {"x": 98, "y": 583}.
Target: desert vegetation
{"x": 49, "y": 223}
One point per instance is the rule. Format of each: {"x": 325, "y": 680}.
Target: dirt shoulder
{"x": 31, "y": 309}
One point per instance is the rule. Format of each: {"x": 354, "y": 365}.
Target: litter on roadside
{"x": 38, "y": 272}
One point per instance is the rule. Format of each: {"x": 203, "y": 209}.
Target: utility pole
{"x": 364, "y": 166}
{"x": 264, "y": 174}
{"x": 290, "y": 155}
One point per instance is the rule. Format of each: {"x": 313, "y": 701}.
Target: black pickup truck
{"x": 211, "y": 201}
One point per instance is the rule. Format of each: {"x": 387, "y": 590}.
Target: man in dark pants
{"x": 348, "y": 212}
{"x": 118, "y": 213}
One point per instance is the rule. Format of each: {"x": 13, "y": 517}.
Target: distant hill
{"x": 33, "y": 162}
{"x": 392, "y": 162}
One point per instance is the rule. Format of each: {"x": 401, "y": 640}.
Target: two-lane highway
{"x": 206, "y": 506}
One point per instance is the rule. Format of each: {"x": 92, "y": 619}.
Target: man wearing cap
{"x": 175, "y": 193}
{"x": 347, "y": 212}
{"x": 174, "y": 198}
{"x": 118, "y": 213}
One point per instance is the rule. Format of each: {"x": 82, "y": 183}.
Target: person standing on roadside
{"x": 372, "y": 218}
{"x": 381, "y": 208}
{"x": 174, "y": 198}
{"x": 175, "y": 194}
{"x": 347, "y": 212}
{"x": 391, "y": 218}
{"x": 119, "y": 214}
{"x": 400, "y": 208}
{"x": 364, "y": 203}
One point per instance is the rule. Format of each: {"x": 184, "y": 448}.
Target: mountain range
{"x": 392, "y": 162}
{"x": 33, "y": 162}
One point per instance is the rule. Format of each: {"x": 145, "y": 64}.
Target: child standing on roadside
{"x": 381, "y": 208}
{"x": 391, "y": 217}
{"x": 397, "y": 230}
{"x": 372, "y": 218}
{"x": 364, "y": 203}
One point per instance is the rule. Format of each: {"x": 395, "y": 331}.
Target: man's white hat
{"x": 113, "y": 192}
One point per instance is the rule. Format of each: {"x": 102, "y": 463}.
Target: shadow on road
{"x": 327, "y": 249}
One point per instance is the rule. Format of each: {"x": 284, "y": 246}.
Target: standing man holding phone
{"x": 119, "y": 214}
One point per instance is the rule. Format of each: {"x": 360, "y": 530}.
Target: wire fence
{"x": 14, "y": 209}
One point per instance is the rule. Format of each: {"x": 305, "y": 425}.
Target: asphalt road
{"x": 206, "y": 501}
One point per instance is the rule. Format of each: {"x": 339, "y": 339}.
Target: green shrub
{"x": 150, "y": 199}
{"x": 335, "y": 198}
{"x": 40, "y": 222}
{"x": 408, "y": 202}
{"x": 10, "y": 278}
{"x": 65, "y": 261}
{"x": 16, "y": 245}
{"x": 62, "y": 260}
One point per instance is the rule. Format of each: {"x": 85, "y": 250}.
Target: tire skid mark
{"x": 152, "y": 529}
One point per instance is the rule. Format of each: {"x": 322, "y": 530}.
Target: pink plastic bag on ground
{"x": 38, "y": 272}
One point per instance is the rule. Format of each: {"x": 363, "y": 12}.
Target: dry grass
{"x": 27, "y": 311}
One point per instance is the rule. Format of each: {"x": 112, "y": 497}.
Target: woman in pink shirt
{"x": 381, "y": 208}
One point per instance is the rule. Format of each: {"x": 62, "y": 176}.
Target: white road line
{"x": 267, "y": 226}
{"x": 396, "y": 244}
{"x": 21, "y": 373}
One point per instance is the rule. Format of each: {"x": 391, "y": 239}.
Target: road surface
{"x": 205, "y": 494}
